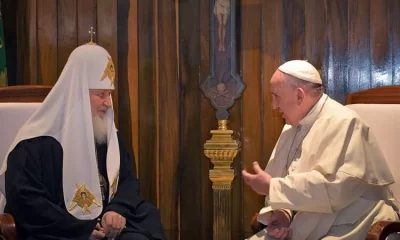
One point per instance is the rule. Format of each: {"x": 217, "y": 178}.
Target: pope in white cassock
{"x": 67, "y": 174}
{"x": 327, "y": 177}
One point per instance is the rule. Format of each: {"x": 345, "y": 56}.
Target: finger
{"x": 105, "y": 221}
{"x": 271, "y": 229}
{"x": 284, "y": 234}
{"x": 280, "y": 233}
{"x": 117, "y": 224}
{"x": 273, "y": 232}
{"x": 247, "y": 176}
{"x": 98, "y": 234}
{"x": 122, "y": 223}
{"x": 99, "y": 227}
{"x": 257, "y": 168}
{"x": 114, "y": 221}
{"x": 108, "y": 229}
{"x": 114, "y": 229}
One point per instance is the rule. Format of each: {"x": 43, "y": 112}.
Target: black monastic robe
{"x": 35, "y": 197}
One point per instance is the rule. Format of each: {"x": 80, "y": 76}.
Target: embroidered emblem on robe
{"x": 84, "y": 199}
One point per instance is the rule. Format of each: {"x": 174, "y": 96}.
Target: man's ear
{"x": 300, "y": 95}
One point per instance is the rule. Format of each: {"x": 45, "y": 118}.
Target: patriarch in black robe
{"x": 67, "y": 174}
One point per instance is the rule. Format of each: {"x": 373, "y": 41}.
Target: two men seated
{"x": 68, "y": 175}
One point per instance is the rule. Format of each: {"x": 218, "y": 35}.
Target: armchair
{"x": 17, "y": 104}
{"x": 380, "y": 109}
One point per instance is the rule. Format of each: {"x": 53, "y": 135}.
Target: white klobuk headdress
{"x": 66, "y": 116}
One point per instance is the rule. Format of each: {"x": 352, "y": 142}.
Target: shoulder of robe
{"x": 335, "y": 113}
{"x": 36, "y": 144}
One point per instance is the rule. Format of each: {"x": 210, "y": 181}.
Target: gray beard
{"x": 100, "y": 129}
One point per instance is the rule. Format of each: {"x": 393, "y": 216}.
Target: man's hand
{"x": 98, "y": 233}
{"x": 113, "y": 224}
{"x": 259, "y": 182}
{"x": 278, "y": 225}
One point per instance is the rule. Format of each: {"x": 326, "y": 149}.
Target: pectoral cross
{"x": 91, "y": 32}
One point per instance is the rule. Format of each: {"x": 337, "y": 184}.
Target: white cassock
{"x": 331, "y": 172}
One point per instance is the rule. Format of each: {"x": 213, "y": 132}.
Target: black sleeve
{"x": 127, "y": 197}
{"x": 36, "y": 211}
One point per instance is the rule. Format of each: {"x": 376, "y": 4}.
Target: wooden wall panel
{"x": 208, "y": 122}
{"x": 161, "y": 52}
{"x": 67, "y": 37}
{"x": 381, "y": 49}
{"x": 252, "y": 127}
{"x": 148, "y": 101}
{"x": 272, "y": 58}
{"x": 132, "y": 78}
{"x": 26, "y": 45}
{"x": 335, "y": 59}
{"x": 10, "y": 14}
{"x": 236, "y": 124}
{"x": 293, "y": 29}
{"x": 106, "y": 32}
{"x": 127, "y": 32}
{"x": 86, "y": 18}
{"x": 190, "y": 136}
{"x": 47, "y": 41}
{"x": 314, "y": 31}
{"x": 359, "y": 60}
{"x": 169, "y": 124}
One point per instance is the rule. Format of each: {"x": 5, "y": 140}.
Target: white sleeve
{"x": 312, "y": 192}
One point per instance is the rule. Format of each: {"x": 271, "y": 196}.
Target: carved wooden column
{"x": 222, "y": 86}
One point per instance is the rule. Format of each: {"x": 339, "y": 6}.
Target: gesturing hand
{"x": 259, "y": 181}
{"x": 113, "y": 224}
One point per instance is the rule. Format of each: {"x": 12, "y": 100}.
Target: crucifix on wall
{"x": 223, "y": 85}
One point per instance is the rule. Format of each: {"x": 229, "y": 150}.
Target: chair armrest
{"x": 7, "y": 227}
{"x": 381, "y": 229}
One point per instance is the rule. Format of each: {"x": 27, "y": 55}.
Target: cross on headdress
{"x": 91, "y": 32}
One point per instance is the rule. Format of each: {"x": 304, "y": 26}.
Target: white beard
{"x": 100, "y": 129}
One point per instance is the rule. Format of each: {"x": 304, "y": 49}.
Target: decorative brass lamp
{"x": 222, "y": 87}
